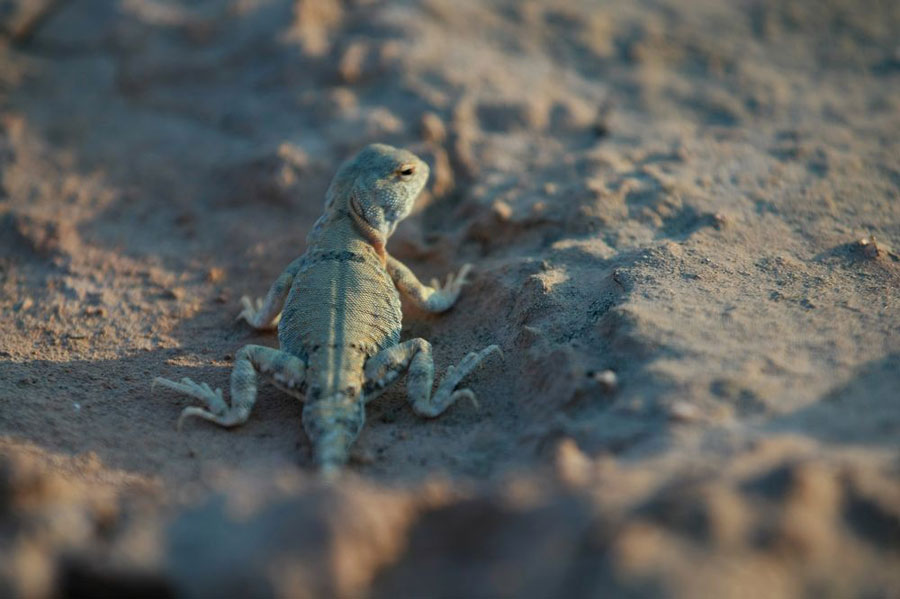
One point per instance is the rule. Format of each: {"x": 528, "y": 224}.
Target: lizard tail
{"x": 331, "y": 452}
{"x": 332, "y": 425}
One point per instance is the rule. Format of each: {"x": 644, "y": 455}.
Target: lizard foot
{"x": 449, "y": 291}
{"x": 457, "y": 373}
{"x": 447, "y": 394}
{"x": 465, "y": 393}
{"x": 254, "y": 314}
{"x": 217, "y": 411}
{"x": 285, "y": 370}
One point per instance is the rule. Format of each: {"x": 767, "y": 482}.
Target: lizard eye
{"x": 406, "y": 171}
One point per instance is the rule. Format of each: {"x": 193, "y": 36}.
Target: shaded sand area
{"x": 682, "y": 218}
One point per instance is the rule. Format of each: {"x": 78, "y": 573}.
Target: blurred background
{"x": 682, "y": 218}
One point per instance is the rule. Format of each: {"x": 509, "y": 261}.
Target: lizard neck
{"x": 370, "y": 233}
{"x": 344, "y": 232}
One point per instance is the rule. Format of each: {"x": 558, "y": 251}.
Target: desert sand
{"x": 681, "y": 216}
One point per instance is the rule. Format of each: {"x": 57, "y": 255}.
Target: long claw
{"x": 455, "y": 374}
{"x": 468, "y": 394}
{"x": 166, "y": 383}
{"x": 463, "y": 273}
{"x": 228, "y": 419}
{"x": 187, "y": 413}
{"x": 493, "y": 349}
{"x": 213, "y": 398}
{"x": 248, "y": 312}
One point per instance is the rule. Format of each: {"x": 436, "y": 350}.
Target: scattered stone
{"x": 720, "y": 221}
{"x": 607, "y": 380}
{"x": 352, "y": 63}
{"x": 433, "y": 128}
{"x": 869, "y": 247}
{"x": 573, "y": 467}
{"x": 683, "y": 411}
{"x": 313, "y": 22}
{"x": 173, "y": 293}
{"x": 24, "y": 305}
{"x": 294, "y": 156}
{"x": 501, "y": 210}
{"x": 215, "y": 275}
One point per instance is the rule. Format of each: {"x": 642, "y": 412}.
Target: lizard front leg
{"x": 414, "y": 355}
{"x": 433, "y": 298}
{"x": 286, "y": 371}
{"x": 264, "y": 316}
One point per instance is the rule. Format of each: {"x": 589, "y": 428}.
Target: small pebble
{"x": 607, "y": 379}
{"x": 682, "y": 411}
{"x": 502, "y": 210}
{"x": 215, "y": 274}
{"x": 572, "y": 466}
{"x": 433, "y": 128}
{"x": 24, "y": 305}
{"x": 720, "y": 221}
{"x": 869, "y": 247}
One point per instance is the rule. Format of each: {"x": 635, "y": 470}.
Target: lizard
{"x": 337, "y": 310}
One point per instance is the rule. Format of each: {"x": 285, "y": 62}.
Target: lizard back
{"x": 342, "y": 308}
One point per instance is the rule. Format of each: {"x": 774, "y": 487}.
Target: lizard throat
{"x": 371, "y": 234}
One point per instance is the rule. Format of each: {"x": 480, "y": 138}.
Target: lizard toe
{"x": 461, "y": 277}
{"x": 465, "y": 393}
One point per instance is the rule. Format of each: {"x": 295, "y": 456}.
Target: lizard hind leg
{"x": 286, "y": 370}
{"x": 414, "y": 356}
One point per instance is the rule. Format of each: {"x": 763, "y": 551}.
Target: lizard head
{"x": 378, "y": 187}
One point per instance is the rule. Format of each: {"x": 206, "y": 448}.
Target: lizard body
{"x": 339, "y": 330}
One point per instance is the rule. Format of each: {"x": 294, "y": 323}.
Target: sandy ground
{"x": 682, "y": 218}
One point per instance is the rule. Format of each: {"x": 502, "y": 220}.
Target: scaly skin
{"x": 339, "y": 331}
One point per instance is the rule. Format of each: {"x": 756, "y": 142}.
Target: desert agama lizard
{"x": 339, "y": 330}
